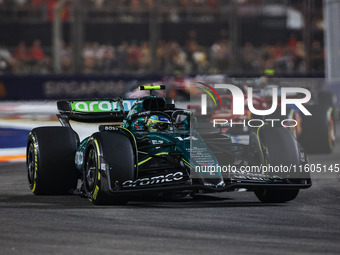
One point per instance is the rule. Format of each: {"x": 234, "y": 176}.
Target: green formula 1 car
{"x": 157, "y": 148}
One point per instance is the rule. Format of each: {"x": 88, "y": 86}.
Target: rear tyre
{"x": 279, "y": 147}
{"x": 50, "y": 160}
{"x": 114, "y": 152}
{"x": 318, "y": 131}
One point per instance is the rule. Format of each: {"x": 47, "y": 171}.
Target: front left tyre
{"x": 50, "y": 160}
{"x": 109, "y": 156}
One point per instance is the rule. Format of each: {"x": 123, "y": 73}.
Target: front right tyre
{"x": 279, "y": 148}
{"x": 276, "y": 195}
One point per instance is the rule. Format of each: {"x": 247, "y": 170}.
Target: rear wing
{"x": 100, "y": 110}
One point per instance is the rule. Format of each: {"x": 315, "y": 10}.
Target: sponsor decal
{"x": 143, "y": 113}
{"x": 162, "y": 118}
{"x": 188, "y": 138}
{"x": 157, "y": 141}
{"x": 108, "y": 128}
{"x": 153, "y": 180}
{"x": 100, "y": 106}
{"x": 256, "y": 177}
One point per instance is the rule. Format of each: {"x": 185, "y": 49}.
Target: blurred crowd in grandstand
{"x": 288, "y": 57}
{"x": 172, "y": 56}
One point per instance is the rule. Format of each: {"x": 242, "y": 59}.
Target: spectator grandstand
{"x": 196, "y": 37}
{"x": 135, "y": 57}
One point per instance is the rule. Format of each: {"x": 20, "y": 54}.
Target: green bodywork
{"x": 189, "y": 143}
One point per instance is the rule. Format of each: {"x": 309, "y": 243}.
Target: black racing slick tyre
{"x": 50, "y": 160}
{"x": 276, "y": 196}
{"x": 318, "y": 130}
{"x": 109, "y": 158}
{"x": 279, "y": 147}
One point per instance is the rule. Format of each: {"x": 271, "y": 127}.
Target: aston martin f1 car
{"x": 154, "y": 147}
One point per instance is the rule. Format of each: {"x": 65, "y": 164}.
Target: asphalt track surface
{"x": 226, "y": 223}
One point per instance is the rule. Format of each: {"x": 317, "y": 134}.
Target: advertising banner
{"x": 53, "y": 87}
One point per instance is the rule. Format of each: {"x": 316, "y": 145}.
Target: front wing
{"x": 178, "y": 180}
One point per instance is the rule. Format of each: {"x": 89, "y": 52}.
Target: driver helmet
{"x": 157, "y": 123}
